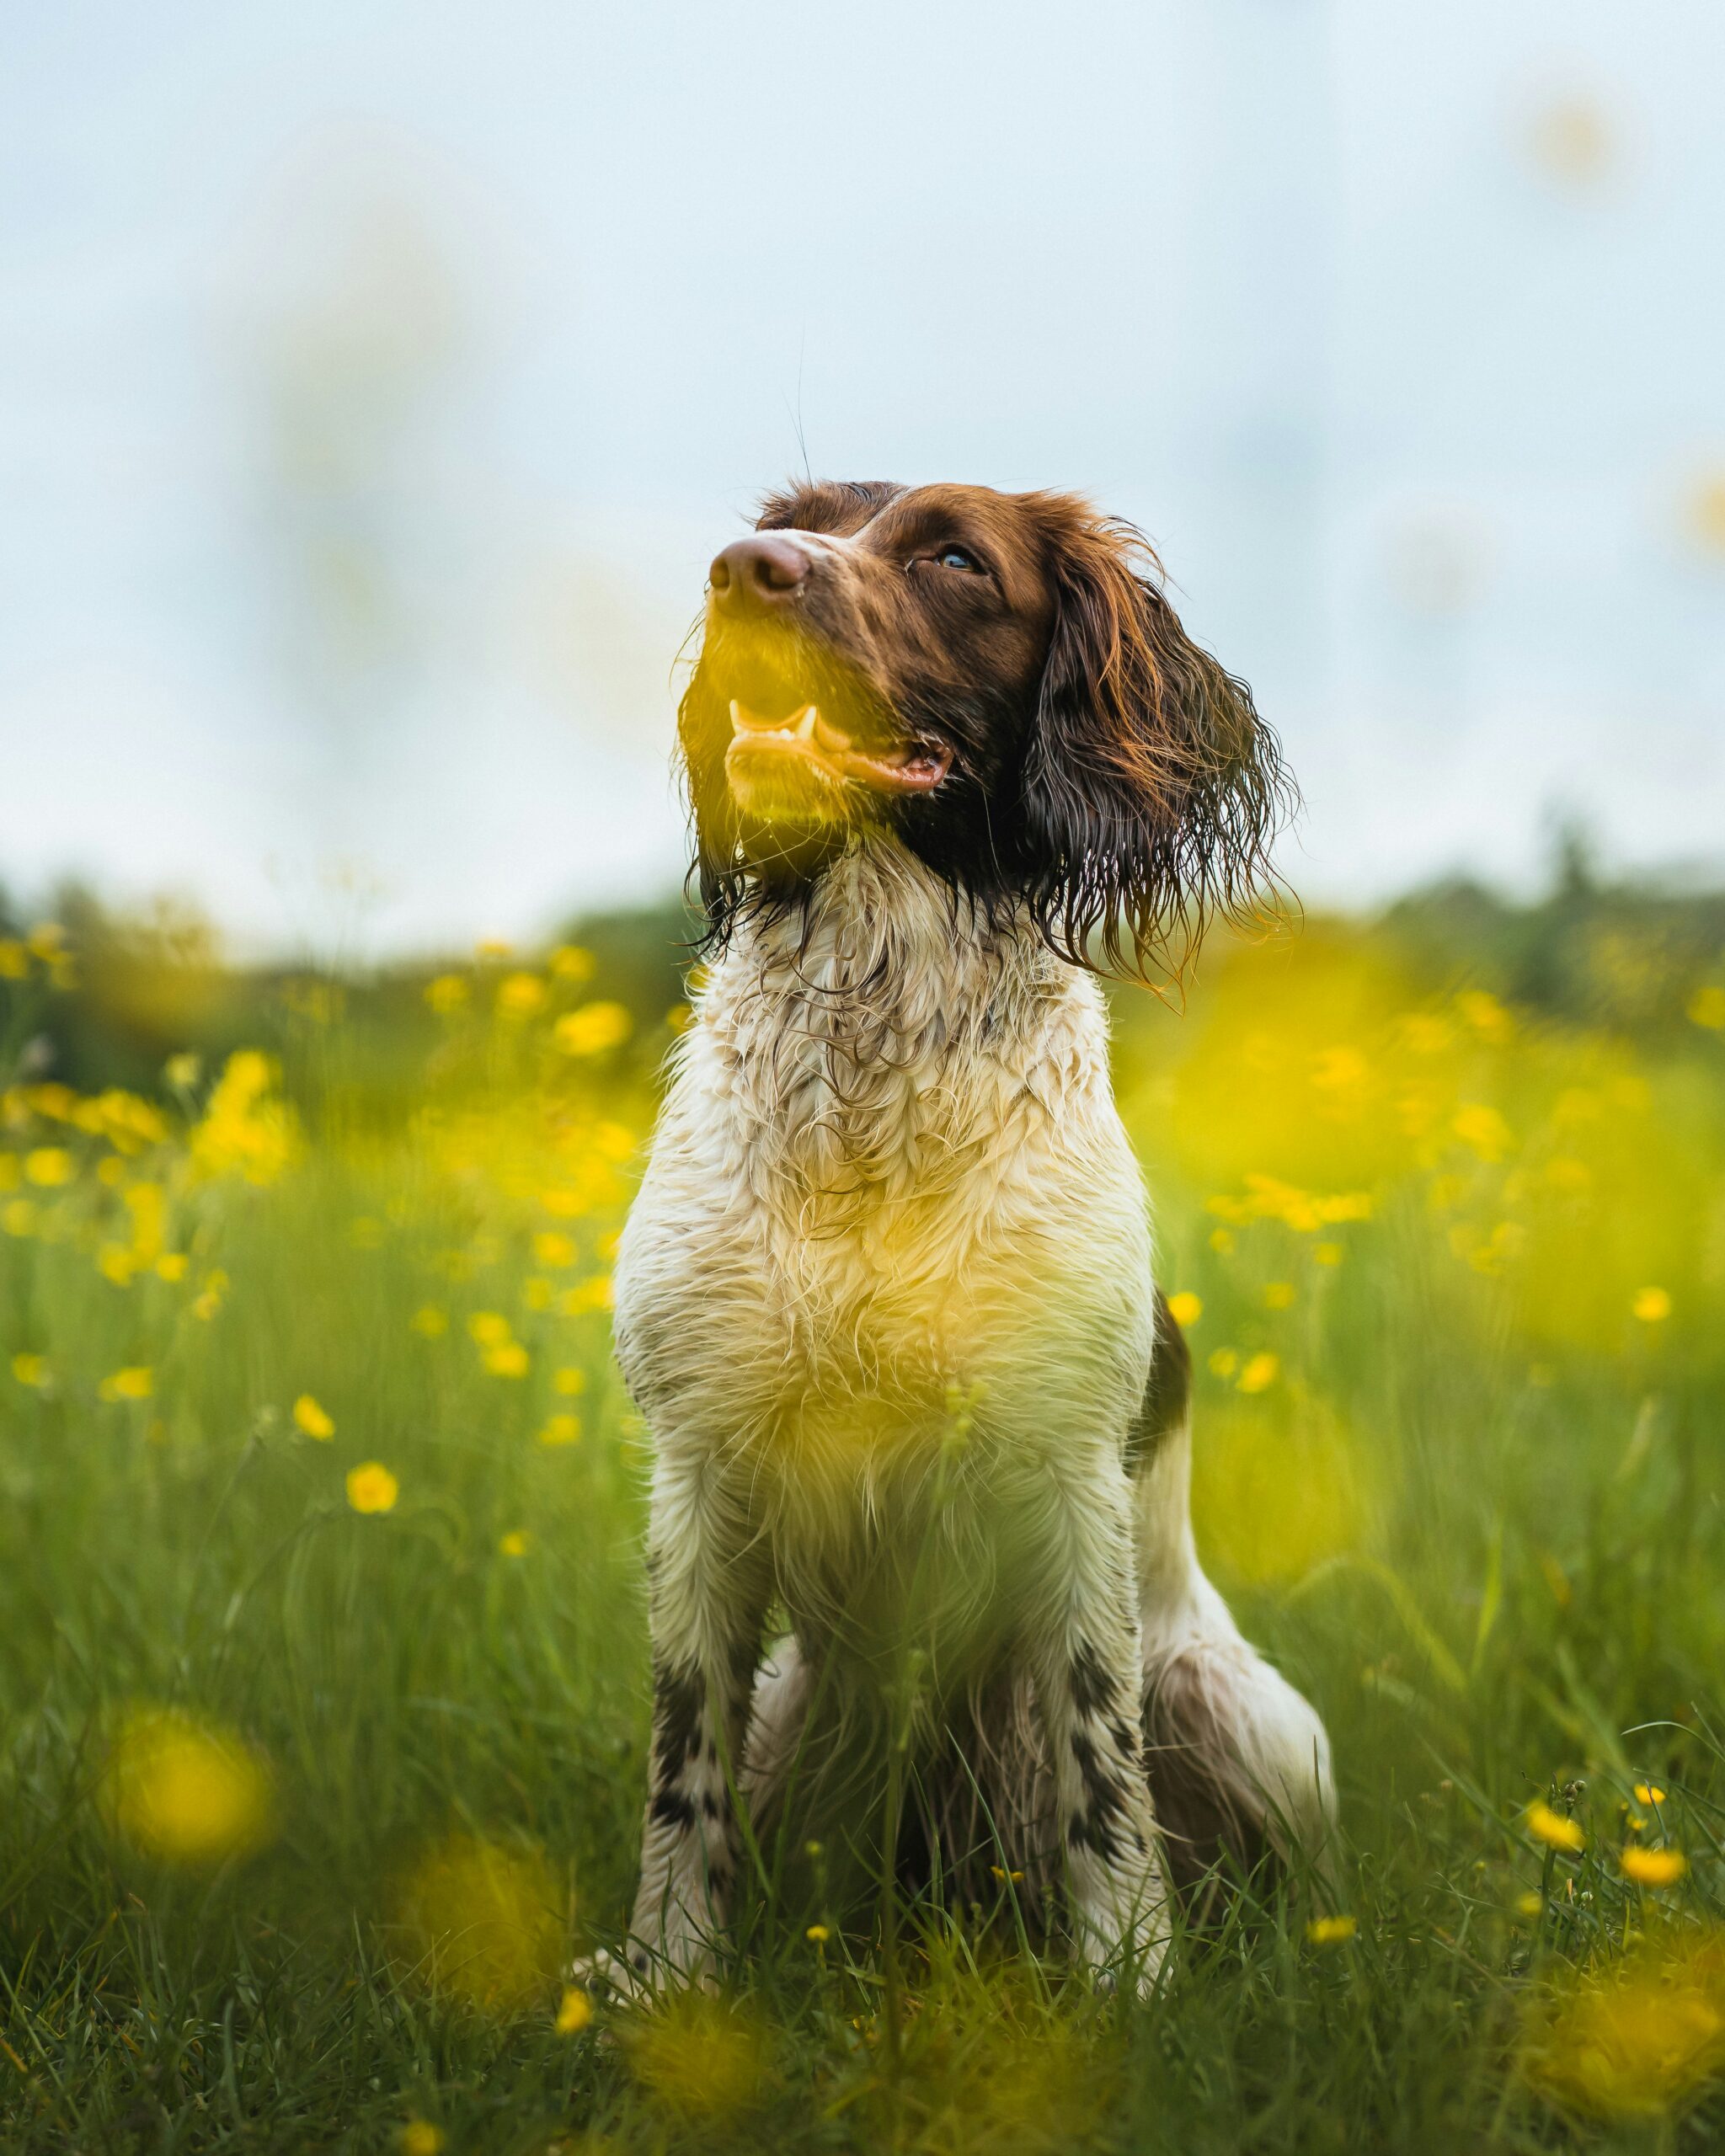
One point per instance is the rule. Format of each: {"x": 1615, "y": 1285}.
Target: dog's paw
{"x": 638, "y": 1977}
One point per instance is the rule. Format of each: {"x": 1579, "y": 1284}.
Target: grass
{"x": 301, "y": 1805}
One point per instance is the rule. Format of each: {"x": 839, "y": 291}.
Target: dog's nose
{"x": 755, "y": 574}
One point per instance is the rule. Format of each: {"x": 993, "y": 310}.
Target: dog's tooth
{"x": 805, "y": 722}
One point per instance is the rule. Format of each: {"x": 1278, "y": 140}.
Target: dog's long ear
{"x": 1152, "y": 789}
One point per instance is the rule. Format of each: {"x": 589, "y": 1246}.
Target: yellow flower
{"x": 514, "y": 1543}
{"x": 1706, "y": 1008}
{"x": 48, "y": 1165}
{"x": 1222, "y": 1240}
{"x": 1529, "y": 1905}
{"x": 490, "y": 1328}
{"x": 1279, "y": 1295}
{"x": 31, "y": 1369}
{"x": 569, "y": 961}
{"x": 592, "y": 1029}
{"x": 1005, "y": 1876}
{"x": 1652, "y": 1305}
{"x": 507, "y": 1359}
{"x": 312, "y": 1419}
{"x": 1223, "y": 1361}
{"x": 1259, "y": 1372}
{"x": 419, "y": 2137}
{"x": 1185, "y": 1309}
{"x": 46, "y": 940}
{"x": 1636, "y": 2036}
{"x": 19, "y": 1217}
{"x": 431, "y": 1322}
{"x": 183, "y": 1070}
{"x": 520, "y": 995}
{"x": 482, "y": 1921}
{"x": 1654, "y": 1867}
{"x": 819, "y": 1932}
{"x": 171, "y": 1265}
{"x": 555, "y": 1250}
{"x": 14, "y": 959}
{"x": 185, "y": 1791}
{"x": 1552, "y": 1829}
{"x": 561, "y": 1430}
{"x": 569, "y": 1382}
{"x": 594, "y": 1294}
{"x": 536, "y": 1293}
{"x": 1649, "y": 1793}
{"x": 1332, "y": 1931}
{"x": 137, "y": 1382}
{"x": 115, "y": 1262}
{"x": 1482, "y": 1127}
{"x": 575, "y": 2012}
{"x": 447, "y": 993}
{"x": 371, "y": 1488}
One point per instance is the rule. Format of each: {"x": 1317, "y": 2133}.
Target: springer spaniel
{"x": 885, "y": 1300}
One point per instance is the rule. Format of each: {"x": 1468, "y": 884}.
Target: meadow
{"x": 324, "y": 1691}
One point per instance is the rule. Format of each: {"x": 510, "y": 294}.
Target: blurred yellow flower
{"x": 14, "y": 959}
{"x": 171, "y": 1265}
{"x": 447, "y": 993}
{"x": 819, "y": 1932}
{"x": 115, "y": 1262}
{"x": 1706, "y": 1008}
{"x": 1332, "y": 1931}
{"x": 31, "y": 1369}
{"x": 592, "y": 1029}
{"x": 1649, "y": 1793}
{"x": 137, "y": 1382}
{"x": 1529, "y": 1904}
{"x": 48, "y": 1165}
{"x": 514, "y": 1544}
{"x": 553, "y": 1249}
{"x": 574, "y": 2012}
{"x": 19, "y": 1217}
{"x": 183, "y": 1070}
{"x": 1279, "y": 1295}
{"x": 701, "y": 2055}
{"x": 1552, "y": 1829}
{"x": 430, "y": 1321}
{"x": 244, "y": 1130}
{"x": 312, "y": 1419}
{"x": 594, "y": 1294}
{"x": 419, "y": 2137}
{"x": 482, "y": 1921}
{"x": 1480, "y": 1126}
{"x": 1652, "y": 1305}
{"x": 1328, "y": 1253}
{"x": 1221, "y": 1241}
{"x": 569, "y": 961}
{"x": 371, "y": 1488}
{"x": 1186, "y": 1309}
{"x": 1636, "y": 2037}
{"x": 1259, "y": 1372}
{"x": 1654, "y": 1867}
{"x": 569, "y": 1381}
{"x": 561, "y": 1430}
{"x": 490, "y": 1328}
{"x": 493, "y": 949}
{"x": 1223, "y": 1361}
{"x": 520, "y": 996}
{"x": 509, "y": 1358}
{"x": 184, "y": 1790}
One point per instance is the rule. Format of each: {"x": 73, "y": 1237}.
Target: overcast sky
{"x": 376, "y": 381}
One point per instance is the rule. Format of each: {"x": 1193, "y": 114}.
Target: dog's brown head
{"x": 997, "y": 679}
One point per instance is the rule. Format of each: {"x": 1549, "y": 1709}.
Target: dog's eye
{"x": 955, "y": 557}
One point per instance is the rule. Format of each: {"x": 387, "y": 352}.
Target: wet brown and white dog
{"x": 885, "y": 1299}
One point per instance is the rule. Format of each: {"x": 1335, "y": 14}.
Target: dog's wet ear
{"x": 1151, "y": 788}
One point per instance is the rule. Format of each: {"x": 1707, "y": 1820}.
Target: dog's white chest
{"x": 882, "y": 1175}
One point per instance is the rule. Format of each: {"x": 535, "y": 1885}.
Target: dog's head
{"x": 998, "y": 680}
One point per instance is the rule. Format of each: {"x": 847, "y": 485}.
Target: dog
{"x": 885, "y": 1300}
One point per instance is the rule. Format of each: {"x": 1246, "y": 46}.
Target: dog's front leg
{"x": 708, "y": 1598}
{"x": 1085, "y": 1657}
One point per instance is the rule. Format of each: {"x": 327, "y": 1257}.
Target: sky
{"x": 377, "y": 381}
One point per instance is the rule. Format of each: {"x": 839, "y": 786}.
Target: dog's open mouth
{"x": 814, "y": 742}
